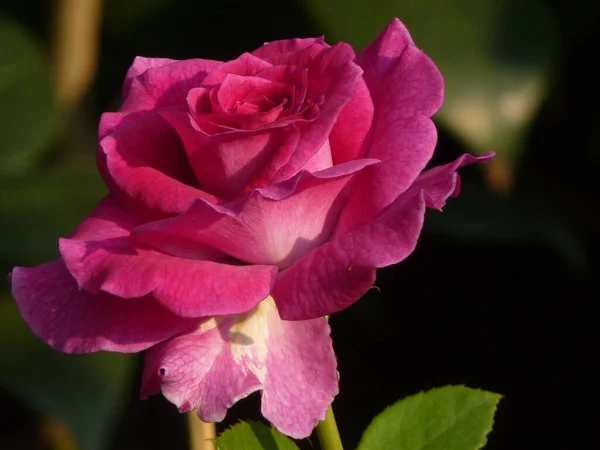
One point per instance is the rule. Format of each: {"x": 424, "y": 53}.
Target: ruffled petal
{"x": 275, "y": 225}
{"x": 228, "y": 358}
{"x": 103, "y": 258}
{"x": 245, "y": 65}
{"x": 229, "y": 163}
{"x": 405, "y": 145}
{"x": 152, "y": 84}
{"x": 279, "y": 52}
{"x": 72, "y": 320}
{"x": 406, "y": 88}
{"x": 332, "y": 78}
{"x": 144, "y": 165}
{"x": 338, "y": 273}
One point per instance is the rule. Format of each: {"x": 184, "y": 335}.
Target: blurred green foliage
{"x": 28, "y": 110}
{"x": 497, "y": 58}
{"x": 84, "y": 391}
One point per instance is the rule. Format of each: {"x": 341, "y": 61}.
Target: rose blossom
{"x": 242, "y": 193}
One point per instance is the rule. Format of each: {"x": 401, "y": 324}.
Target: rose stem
{"x": 201, "y": 433}
{"x": 328, "y": 433}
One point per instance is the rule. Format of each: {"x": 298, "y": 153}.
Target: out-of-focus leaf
{"x": 253, "y": 436}
{"x": 480, "y": 216}
{"x": 447, "y": 418}
{"x": 496, "y": 57}
{"x": 38, "y": 209}
{"x": 28, "y": 110}
{"x": 122, "y": 17}
{"x": 84, "y": 391}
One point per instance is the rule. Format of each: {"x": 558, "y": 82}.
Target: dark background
{"x": 499, "y": 308}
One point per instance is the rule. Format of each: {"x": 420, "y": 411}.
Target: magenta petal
{"x": 299, "y": 57}
{"x": 102, "y": 257}
{"x": 140, "y": 65}
{"x": 140, "y": 156}
{"x": 226, "y": 164}
{"x": 277, "y": 50}
{"x": 227, "y": 359}
{"x": 338, "y": 273}
{"x": 401, "y": 77}
{"x": 245, "y": 65}
{"x": 406, "y": 88}
{"x": 198, "y": 371}
{"x": 350, "y": 132}
{"x": 405, "y": 145}
{"x": 275, "y": 225}
{"x": 163, "y": 85}
{"x": 332, "y": 77}
{"x": 75, "y": 321}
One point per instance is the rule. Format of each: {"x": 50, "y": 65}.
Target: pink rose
{"x": 242, "y": 193}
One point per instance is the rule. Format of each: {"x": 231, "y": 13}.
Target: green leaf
{"x": 37, "y": 210}
{"x": 28, "y": 110}
{"x": 84, "y": 391}
{"x": 253, "y": 436}
{"x": 496, "y": 57}
{"x": 447, "y": 418}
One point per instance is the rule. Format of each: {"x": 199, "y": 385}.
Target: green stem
{"x": 201, "y": 433}
{"x": 328, "y": 433}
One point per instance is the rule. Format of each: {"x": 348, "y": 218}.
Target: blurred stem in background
{"x": 57, "y": 434}
{"x": 76, "y": 37}
{"x": 201, "y": 433}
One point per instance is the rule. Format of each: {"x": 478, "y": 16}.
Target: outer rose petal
{"x": 144, "y": 165}
{"x": 275, "y": 225}
{"x": 277, "y": 50}
{"x": 163, "y": 85}
{"x": 300, "y": 57}
{"x": 406, "y": 88}
{"x": 227, "y": 359}
{"x": 101, "y": 257}
{"x": 140, "y": 65}
{"x": 410, "y": 142}
{"x": 338, "y": 273}
{"x": 75, "y": 321}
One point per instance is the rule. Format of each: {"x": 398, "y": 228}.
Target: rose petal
{"x": 245, "y": 65}
{"x": 406, "y": 145}
{"x": 406, "y": 87}
{"x": 275, "y": 225}
{"x": 226, "y": 360}
{"x": 321, "y": 160}
{"x": 102, "y": 257}
{"x": 226, "y": 164}
{"x": 277, "y": 50}
{"x": 75, "y": 321}
{"x": 140, "y": 65}
{"x": 165, "y": 85}
{"x": 349, "y": 135}
{"x": 338, "y": 273}
{"x": 295, "y": 76}
{"x": 144, "y": 165}
{"x": 300, "y": 57}
{"x": 332, "y": 77}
